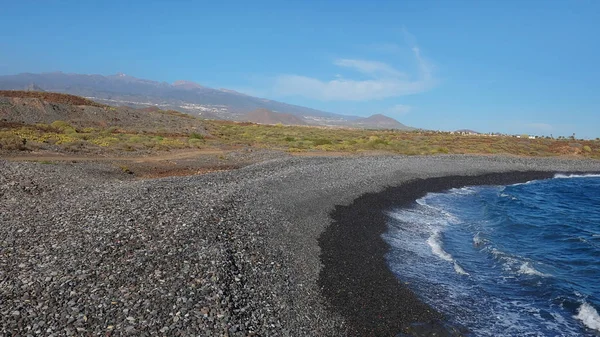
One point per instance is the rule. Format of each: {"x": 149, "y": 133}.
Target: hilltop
{"x": 50, "y": 97}
{"x": 379, "y": 121}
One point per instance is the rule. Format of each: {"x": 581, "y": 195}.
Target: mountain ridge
{"x": 181, "y": 95}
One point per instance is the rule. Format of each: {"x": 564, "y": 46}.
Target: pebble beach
{"x": 286, "y": 247}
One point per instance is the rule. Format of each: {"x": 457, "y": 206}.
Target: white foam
{"x": 512, "y": 264}
{"x": 589, "y": 316}
{"x": 435, "y": 243}
{"x": 478, "y": 241}
{"x": 527, "y": 269}
{"x": 463, "y": 190}
{"x": 505, "y": 195}
{"x": 459, "y": 270}
{"x": 525, "y": 183}
{"x": 565, "y": 176}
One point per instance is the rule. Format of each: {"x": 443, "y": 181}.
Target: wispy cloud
{"x": 382, "y": 81}
{"x": 372, "y": 68}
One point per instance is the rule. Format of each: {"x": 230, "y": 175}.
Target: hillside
{"x": 379, "y": 121}
{"x": 28, "y": 107}
{"x": 183, "y": 96}
{"x": 122, "y": 89}
{"x": 264, "y": 116}
{"x": 50, "y": 97}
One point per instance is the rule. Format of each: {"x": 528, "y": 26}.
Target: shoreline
{"x": 88, "y": 248}
{"x": 353, "y": 257}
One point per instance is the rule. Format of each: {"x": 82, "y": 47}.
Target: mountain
{"x": 264, "y": 116}
{"x": 33, "y": 87}
{"x": 187, "y": 85}
{"x": 185, "y": 96}
{"x": 127, "y": 90}
{"x": 379, "y": 121}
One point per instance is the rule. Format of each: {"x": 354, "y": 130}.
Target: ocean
{"x": 516, "y": 260}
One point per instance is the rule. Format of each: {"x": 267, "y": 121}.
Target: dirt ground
{"x": 162, "y": 164}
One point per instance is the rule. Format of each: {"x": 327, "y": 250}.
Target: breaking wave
{"x": 525, "y": 254}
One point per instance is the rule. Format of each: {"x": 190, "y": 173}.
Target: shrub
{"x": 63, "y": 126}
{"x": 10, "y": 141}
{"x": 125, "y": 169}
{"x": 75, "y": 146}
{"x": 195, "y": 135}
{"x": 442, "y": 150}
{"x": 587, "y": 149}
{"x": 195, "y": 142}
{"x": 136, "y": 139}
{"x": 321, "y": 141}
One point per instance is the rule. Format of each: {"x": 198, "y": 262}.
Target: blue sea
{"x": 517, "y": 260}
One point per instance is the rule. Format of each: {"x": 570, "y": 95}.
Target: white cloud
{"x": 373, "y": 68}
{"x": 386, "y": 81}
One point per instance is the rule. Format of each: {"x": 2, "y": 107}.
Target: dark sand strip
{"x": 355, "y": 277}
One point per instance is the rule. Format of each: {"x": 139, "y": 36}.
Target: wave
{"x": 435, "y": 242}
{"x": 478, "y": 241}
{"x": 505, "y": 195}
{"x": 523, "y": 261}
{"x": 527, "y": 269}
{"x": 562, "y": 176}
{"x": 463, "y": 190}
{"x": 525, "y": 183}
{"x": 513, "y": 264}
{"x": 566, "y": 176}
{"x": 588, "y": 316}
{"x": 458, "y": 269}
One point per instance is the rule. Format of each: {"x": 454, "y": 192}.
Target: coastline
{"x": 353, "y": 256}
{"x": 87, "y": 248}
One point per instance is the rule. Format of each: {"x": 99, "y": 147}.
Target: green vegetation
{"x": 65, "y": 136}
{"x": 305, "y": 139}
{"x": 223, "y": 134}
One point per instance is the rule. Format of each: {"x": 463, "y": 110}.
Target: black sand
{"x": 355, "y": 277}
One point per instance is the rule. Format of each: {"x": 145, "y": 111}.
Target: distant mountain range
{"x": 185, "y": 96}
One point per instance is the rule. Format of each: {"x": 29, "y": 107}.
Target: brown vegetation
{"x": 51, "y": 97}
{"x": 122, "y": 130}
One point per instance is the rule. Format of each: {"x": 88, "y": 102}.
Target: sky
{"x": 519, "y": 67}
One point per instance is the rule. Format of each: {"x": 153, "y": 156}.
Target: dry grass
{"x": 63, "y": 136}
{"x": 301, "y": 139}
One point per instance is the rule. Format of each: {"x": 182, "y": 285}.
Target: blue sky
{"x": 505, "y": 66}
